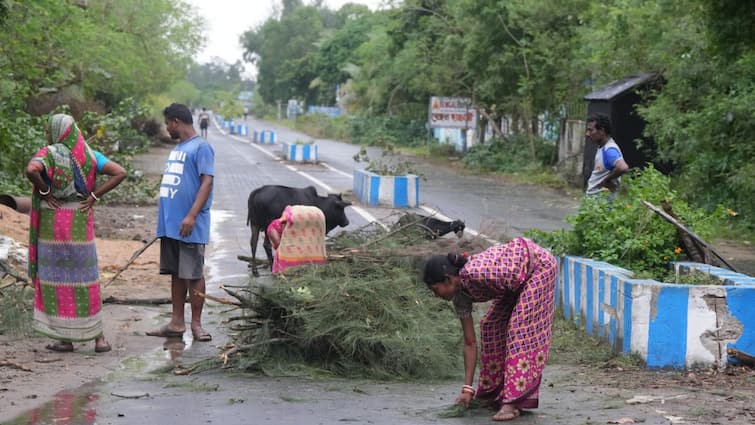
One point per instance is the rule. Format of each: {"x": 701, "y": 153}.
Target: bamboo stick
{"x": 131, "y": 261}
{"x": 692, "y": 234}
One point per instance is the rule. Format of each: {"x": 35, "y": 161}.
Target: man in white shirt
{"x": 609, "y": 162}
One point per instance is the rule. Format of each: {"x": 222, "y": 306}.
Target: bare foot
{"x": 507, "y": 413}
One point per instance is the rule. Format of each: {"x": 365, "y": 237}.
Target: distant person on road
{"x": 519, "y": 278}
{"x": 246, "y": 112}
{"x": 62, "y": 250}
{"x": 609, "y": 162}
{"x": 204, "y": 122}
{"x": 183, "y": 221}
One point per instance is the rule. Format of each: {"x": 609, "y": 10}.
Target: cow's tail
{"x": 250, "y": 212}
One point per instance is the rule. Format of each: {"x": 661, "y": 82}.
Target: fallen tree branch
{"x": 743, "y": 357}
{"x": 692, "y": 234}
{"x": 226, "y": 355}
{"x": 136, "y": 301}
{"x": 130, "y": 261}
{"x": 217, "y": 299}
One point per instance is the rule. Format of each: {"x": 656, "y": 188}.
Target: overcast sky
{"x": 228, "y": 19}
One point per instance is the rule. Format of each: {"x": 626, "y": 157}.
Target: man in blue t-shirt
{"x": 609, "y": 162}
{"x": 183, "y": 220}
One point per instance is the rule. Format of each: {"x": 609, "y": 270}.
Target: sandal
{"x": 102, "y": 348}
{"x": 507, "y": 413}
{"x": 60, "y": 347}
{"x": 165, "y": 333}
{"x": 201, "y": 335}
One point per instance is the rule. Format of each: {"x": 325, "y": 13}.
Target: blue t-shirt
{"x": 178, "y": 190}
{"x": 101, "y": 160}
{"x": 610, "y": 156}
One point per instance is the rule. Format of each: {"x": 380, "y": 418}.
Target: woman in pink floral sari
{"x": 62, "y": 252}
{"x": 519, "y": 278}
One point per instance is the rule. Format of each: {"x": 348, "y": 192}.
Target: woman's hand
{"x": 51, "y": 201}
{"x": 87, "y": 204}
{"x": 464, "y": 398}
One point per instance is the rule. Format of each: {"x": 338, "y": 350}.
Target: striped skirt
{"x": 67, "y": 293}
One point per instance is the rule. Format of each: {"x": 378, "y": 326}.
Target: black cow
{"x": 435, "y": 228}
{"x": 266, "y": 203}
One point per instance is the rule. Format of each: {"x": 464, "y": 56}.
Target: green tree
{"x": 282, "y": 50}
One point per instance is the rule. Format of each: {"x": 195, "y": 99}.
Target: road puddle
{"x": 79, "y": 406}
{"x": 67, "y": 408}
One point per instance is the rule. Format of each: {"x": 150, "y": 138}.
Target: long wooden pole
{"x": 692, "y": 234}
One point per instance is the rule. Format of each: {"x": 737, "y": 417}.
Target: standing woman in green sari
{"x": 62, "y": 252}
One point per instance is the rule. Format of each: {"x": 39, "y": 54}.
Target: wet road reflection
{"x": 67, "y": 408}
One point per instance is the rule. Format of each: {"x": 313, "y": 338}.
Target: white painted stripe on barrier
{"x": 412, "y": 190}
{"x": 594, "y": 313}
{"x": 623, "y": 329}
{"x": 386, "y": 189}
{"x": 583, "y": 287}
{"x": 606, "y": 305}
{"x": 642, "y": 299}
{"x": 701, "y": 319}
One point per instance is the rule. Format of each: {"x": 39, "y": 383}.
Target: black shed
{"x": 618, "y": 101}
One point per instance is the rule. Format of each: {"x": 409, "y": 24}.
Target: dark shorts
{"x": 203, "y": 124}
{"x": 180, "y": 258}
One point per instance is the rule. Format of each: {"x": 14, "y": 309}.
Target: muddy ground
{"x": 32, "y": 373}
{"x": 29, "y": 374}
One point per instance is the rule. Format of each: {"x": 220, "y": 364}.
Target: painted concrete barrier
{"x": 665, "y": 324}
{"x": 240, "y": 129}
{"x": 393, "y": 191}
{"x": 300, "y": 152}
{"x": 265, "y": 137}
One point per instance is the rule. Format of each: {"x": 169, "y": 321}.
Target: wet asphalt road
{"x": 133, "y": 396}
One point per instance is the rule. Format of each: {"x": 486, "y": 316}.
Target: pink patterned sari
{"x": 62, "y": 252}
{"x": 298, "y": 237}
{"x": 515, "y": 333}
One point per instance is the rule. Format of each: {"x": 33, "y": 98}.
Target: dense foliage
{"x": 526, "y": 60}
{"x": 511, "y": 156}
{"x": 625, "y": 233}
{"x": 86, "y": 58}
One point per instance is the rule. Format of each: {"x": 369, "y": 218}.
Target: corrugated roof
{"x": 615, "y": 88}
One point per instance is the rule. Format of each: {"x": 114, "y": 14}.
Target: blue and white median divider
{"x": 668, "y": 325}
{"x": 241, "y": 130}
{"x": 265, "y": 137}
{"x": 300, "y": 152}
{"x": 392, "y": 191}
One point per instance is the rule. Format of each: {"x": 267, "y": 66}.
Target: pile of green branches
{"x": 364, "y": 314}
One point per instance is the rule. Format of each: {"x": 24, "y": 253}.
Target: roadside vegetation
{"x": 530, "y": 63}
{"x": 625, "y": 233}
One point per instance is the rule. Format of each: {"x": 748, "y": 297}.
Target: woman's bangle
{"x": 468, "y": 389}
{"x": 43, "y": 193}
{"x": 94, "y": 196}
